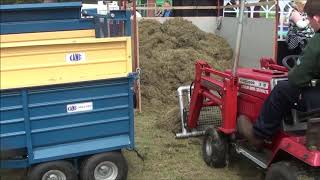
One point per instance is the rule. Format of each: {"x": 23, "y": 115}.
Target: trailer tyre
{"x": 214, "y": 148}
{"x": 62, "y": 170}
{"x": 106, "y": 166}
{"x": 282, "y": 170}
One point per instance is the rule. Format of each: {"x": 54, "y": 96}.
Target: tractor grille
{"x": 209, "y": 116}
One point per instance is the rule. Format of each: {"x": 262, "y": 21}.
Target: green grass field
{"x": 167, "y": 158}
{"x": 170, "y": 158}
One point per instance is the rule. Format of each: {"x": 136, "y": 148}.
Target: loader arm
{"x": 214, "y": 88}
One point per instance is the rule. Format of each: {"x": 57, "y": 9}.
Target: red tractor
{"x": 242, "y": 91}
{"x": 244, "y": 94}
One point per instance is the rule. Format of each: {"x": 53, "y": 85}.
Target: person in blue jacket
{"x": 167, "y": 11}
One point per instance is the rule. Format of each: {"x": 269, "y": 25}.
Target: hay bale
{"x": 168, "y": 52}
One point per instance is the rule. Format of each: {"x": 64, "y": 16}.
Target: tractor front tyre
{"x": 282, "y": 170}
{"x": 214, "y": 148}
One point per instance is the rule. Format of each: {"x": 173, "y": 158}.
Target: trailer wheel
{"x": 106, "y": 166}
{"x": 282, "y": 170}
{"x": 214, "y": 149}
{"x": 55, "y": 170}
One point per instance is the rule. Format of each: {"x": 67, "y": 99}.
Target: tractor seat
{"x": 297, "y": 120}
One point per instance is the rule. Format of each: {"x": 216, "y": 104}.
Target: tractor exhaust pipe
{"x": 239, "y": 37}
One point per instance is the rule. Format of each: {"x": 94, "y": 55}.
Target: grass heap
{"x": 168, "y": 52}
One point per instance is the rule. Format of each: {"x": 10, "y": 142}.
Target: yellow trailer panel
{"x": 27, "y": 37}
{"x": 27, "y": 62}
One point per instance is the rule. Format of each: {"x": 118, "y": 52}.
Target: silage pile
{"x": 168, "y": 52}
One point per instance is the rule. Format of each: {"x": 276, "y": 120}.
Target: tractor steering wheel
{"x": 290, "y": 61}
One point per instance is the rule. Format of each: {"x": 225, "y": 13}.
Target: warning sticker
{"x": 256, "y": 89}
{"x": 254, "y": 83}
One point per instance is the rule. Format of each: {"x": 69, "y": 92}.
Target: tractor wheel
{"x": 214, "y": 149}
{"x": 282, "y": 170}
{"x": 62, "y": 170}
{"x": 105, "y": 166}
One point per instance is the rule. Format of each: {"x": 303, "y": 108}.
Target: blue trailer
{"x": 62, "y": 127}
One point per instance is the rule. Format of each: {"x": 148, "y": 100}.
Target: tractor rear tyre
{"x": 282, "y": 170}
{"x": 214, "y": 148}
{"x": 105, "y": 166}
{"x": 62, "y": 170}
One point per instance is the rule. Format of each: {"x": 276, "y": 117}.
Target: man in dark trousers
{"x": 286, "y": 93}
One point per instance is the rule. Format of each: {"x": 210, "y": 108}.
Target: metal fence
{"x": 260, "y": 9}
{"x": 264, "y": 11}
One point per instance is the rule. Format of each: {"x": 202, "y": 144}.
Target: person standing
{"x": 299, "y": 29}
{"x": 167, "y": 11}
